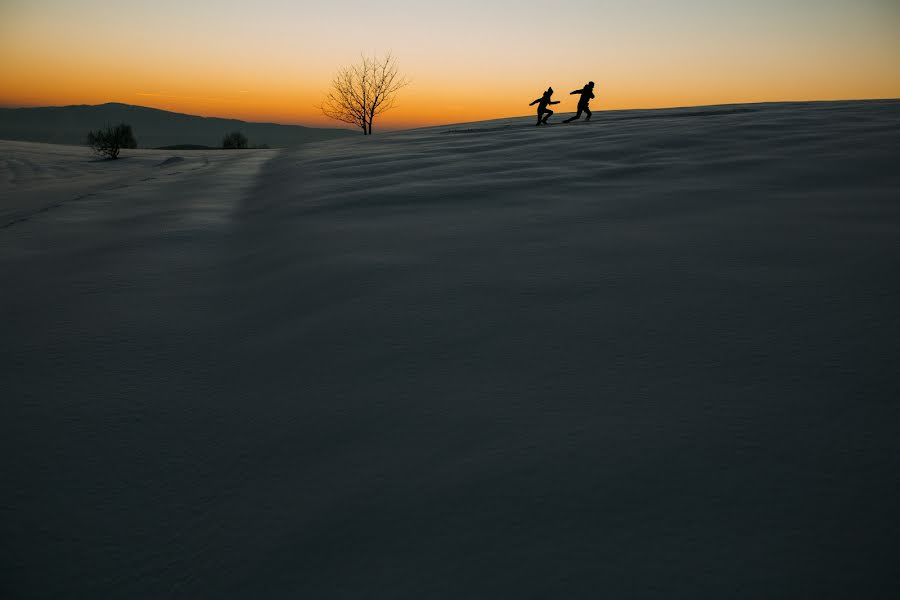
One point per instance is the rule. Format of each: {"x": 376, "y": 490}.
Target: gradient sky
{"x": 272, "y": 60}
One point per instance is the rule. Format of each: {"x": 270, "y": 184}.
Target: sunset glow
{"x": 272, "y": 60}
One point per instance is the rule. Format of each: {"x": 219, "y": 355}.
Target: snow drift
{"x": 650, "y": 355}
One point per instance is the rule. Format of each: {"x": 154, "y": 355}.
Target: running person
{"x": 542, "y": 110}
{"x": 587, "y": 93}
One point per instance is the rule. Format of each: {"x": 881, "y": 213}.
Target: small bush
{"x": 108, "y": 142}
{"x": 235, "y": 141}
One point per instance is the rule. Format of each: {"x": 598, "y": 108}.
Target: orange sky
{"x": 272, "y": 60}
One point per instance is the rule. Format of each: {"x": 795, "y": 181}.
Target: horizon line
{"x": 413, "y": 127}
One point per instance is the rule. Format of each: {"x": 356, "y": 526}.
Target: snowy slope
{"x": 653, "y": 355}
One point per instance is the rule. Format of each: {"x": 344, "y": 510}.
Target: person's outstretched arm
{"x": 555, "y": 102}
{"x": 575, "y": 92}
{"x": 535, "y": 102}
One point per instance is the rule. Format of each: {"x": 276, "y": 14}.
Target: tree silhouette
{"x": 109, "y": 141}
{"x": 235, "y": 141}
{"x": 361, "y": 92}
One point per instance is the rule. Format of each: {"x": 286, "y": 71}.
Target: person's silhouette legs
{"x": 543, "y": 115}
{"x": 576, "y": 117}
{"x": 581, "y": 109}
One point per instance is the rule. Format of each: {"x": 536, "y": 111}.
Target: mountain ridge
{"x": 153, "y": 127}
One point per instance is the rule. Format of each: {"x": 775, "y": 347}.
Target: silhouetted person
{"x": 587, "y": 92}
{"x": 542, "y": 110}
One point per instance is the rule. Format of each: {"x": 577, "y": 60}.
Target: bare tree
{"x": 235, "y": 141}
{"x": 108, "y": 142}
{"x": 361, "y": 92}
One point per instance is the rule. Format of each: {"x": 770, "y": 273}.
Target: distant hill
{"x": 152, "y": 127}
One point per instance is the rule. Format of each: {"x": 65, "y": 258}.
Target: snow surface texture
{"x": 650, "y": 356}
